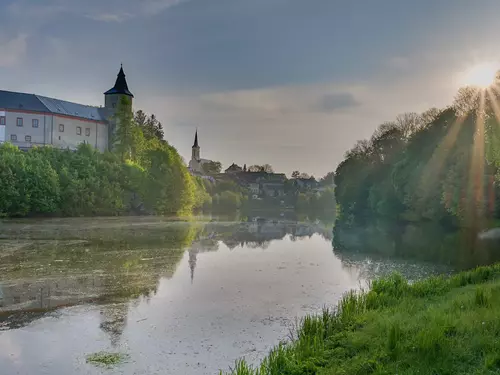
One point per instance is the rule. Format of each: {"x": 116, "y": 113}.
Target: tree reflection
{"x": 428, "y": 241}
{"x": 115, "y": 262}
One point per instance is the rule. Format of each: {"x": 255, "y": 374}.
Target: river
{"x": 176, "y": 296}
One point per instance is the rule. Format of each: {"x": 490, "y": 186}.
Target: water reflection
{"x": 179, "y": 296}
{"x": 431, "y": 242}
{"x": 54, "y": 263}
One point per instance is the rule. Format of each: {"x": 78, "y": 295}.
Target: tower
{"x": 195, "y": 162}
{"x": 195, "y": 151}
{"x": 114, "y": 96}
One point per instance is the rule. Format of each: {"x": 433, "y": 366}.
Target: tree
{"x": 150, "y": 126}
{"x": 261, "y": 168}
{"x": 295, "y": 174}
{"x": 212, "y": 167}
{"x": 304, "y": 176}
{"x": 328, "y": 179}
{"x": 128, "y": 137}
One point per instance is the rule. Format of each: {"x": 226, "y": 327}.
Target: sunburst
{"x": 480, "y": 75}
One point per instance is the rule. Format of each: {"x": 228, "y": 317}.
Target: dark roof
{"x": 234, "y": 167}
{"x": 120, "y": 86}
{"x": 19, "y": 100}
{"x": 196, "y": 139}
{"x": 63, "y": 107}
{"x": 38, "y": 103}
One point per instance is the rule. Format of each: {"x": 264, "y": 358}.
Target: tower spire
{"x": 120, "y": 86}
{"x": 196, "y": 139}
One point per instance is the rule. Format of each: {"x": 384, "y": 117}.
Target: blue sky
{"x": 292, "y": 83}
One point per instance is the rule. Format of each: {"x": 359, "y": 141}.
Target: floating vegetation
{"x": 105, "y": 359}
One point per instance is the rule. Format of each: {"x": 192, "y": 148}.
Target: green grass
{"x": 440, "y": 325}
{"x": 105, "y": 359}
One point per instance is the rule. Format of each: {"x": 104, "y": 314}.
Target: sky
{"x": 291, "y": 83}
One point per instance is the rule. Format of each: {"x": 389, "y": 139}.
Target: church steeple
{"x": 196, "y": 139}
{"x": 120, "y": 86}
{"x": 195, "y": 150}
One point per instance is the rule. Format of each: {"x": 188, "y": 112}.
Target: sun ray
{"x": 475, "y": 187}
{"x": 438, "y": 158}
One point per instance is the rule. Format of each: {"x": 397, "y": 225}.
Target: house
{"x": 254, "y": 188}
{"x": 234, "y": 168}
{"x": 29, "y": 120}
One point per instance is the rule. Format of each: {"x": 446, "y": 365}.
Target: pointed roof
{"x": 120, "y": 86}
{"x": 196, "y": 139}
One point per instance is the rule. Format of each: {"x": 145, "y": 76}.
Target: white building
{"x": 29, "y": 120}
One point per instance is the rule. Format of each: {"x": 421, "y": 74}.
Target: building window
{"x": 78, "y": 130}
{"x": 34, "y": 123}
{"x": 87, "y": 132}
{"x": 13, "y": 137}
{"x": 19, "y": 121}
{"x": 2, "y": 120}
{"x": 27, "y": 138}
{"x": 61, "y": 127}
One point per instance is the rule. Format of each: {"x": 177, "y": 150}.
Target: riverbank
{"x": 440, "y": 325}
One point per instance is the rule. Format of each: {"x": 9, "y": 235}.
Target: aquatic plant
{"x": 106, "y": 359}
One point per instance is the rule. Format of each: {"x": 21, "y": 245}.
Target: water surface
{"x": 179, "y": 297}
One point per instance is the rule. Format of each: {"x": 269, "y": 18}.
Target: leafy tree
{"x": 212, "y": 167}
{"x": 328, "y": 179}
{"x": 151, "y": 127}
{"x": 295, "y": 174}
{"x": 128, "y": 138}
{"x": 261, "y": 168}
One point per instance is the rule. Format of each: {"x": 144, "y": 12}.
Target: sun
{"x": 480, "y": 75}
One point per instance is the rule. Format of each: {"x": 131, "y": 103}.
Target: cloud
{"x": 13, "y": 50}
{"x": 97, "y": 10}
{"x": 110, "y": 17}
{"x": 284, "y": 100}
{"x": 158, "y": 6}
{"x": 336, "y": 101}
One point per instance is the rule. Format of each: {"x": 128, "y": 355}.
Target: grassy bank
{"x": 441, "y": 325}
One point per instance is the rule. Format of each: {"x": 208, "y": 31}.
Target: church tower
{"x": 113, "y": 97}
{"x": 195, "y": 162}
{"x": 195, "y": 151}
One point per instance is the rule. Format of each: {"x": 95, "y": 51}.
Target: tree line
{"x": 441, "y": 165}
{"x": 141, "y": 173}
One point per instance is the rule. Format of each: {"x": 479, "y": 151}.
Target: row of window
{"x": 20, "y": 121}
{"x": 34, "y": 123}
{"x": 27, "y": 138}
{"x": 78, "y": 130}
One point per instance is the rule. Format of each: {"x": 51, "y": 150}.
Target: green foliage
{"x": 227, "y": 201}
{"x": 212, "y": 167}
{"x": 261, "y": 168}
{"x": 128, "y": 137}
{"x": 140, "y": 175}
{"x": 150, "y": 126}
{"x": 436, "y": 166}
{"x": 105, "y": 359}
{"x": 433, "y": 326}
{"x": 314, "y": 202}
